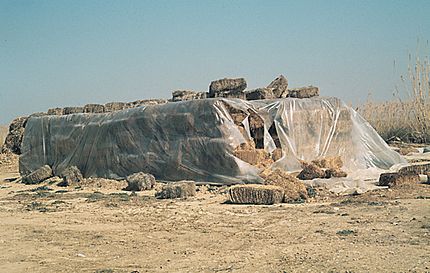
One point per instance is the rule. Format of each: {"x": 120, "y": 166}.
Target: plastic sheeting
{"x": 195, "y": 140}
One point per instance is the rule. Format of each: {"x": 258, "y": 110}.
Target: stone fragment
{"x": 304, "y": 92}
{"x": 227, "y": 88}
{"x": 72, "y": 110}
{"x": 182, "y": 95}
{"x": 55, "y": 111}
{"x": 139, "y": 103}
{"x": 397, "y": 179}
{"x": 329, "y": 162}
{"x": 177, "y": 190}
{"x": 333, "y": 172}
{"x": 13, "y": 139}
{"x": 310, "y": 171}
{"x": 71, "y": 175}
{"x": 38, "y": 175}
{"x": 114, "y": 106}
{"x": 140, "y": 182}
{"x": 417, "y": 168}
{"x": 260, "y": 94}
{"x": 255, "y": 194}
{"x": 279, "y": 87}
{"x": 94, "y": 108}
{"x": 294, "y": 189}
{"x": 407, "y": 150}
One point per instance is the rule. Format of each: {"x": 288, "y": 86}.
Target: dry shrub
{"x": 407, "y": 119}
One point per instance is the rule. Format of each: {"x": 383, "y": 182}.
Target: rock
{"x": 397, "y": 179}
{"x": 72, "y": 110}
{"x": 38, "y": 114}
{"x": 333, "y": 172}
{"x": 177, "y": 190}
{"x": 426, "y": 149}
{"x": 407, "y": 150}
{"x": 222, "y": 87}
{"x": 13, "y": 139}
{"x": 140, "y": 181}
{"x": 255, "y": 194}
{"x": 94, "y": 108}
{"x": 416, "y": 168}
{"x": 310, "y": 171}
{"x": 260, "y": 94}
{"x": 256, "y": 157}
{"x": 38, "y": 175}
{"x": 304, "y": 92}
{"x": 294, "y": 190}
{"x": 279, "y": 87}
{"x": 277, "y": 154}
{"x": 235, "y": 94}
{"x": 53, "y": 180}
{"x": 55, "y": 111}
{"x": 139, "y": 103}
{"x": 182, "y": 95}
{"x": 71, "y": 175}
{"x": 329, "y": 162}
{"x": 114, "y": 106}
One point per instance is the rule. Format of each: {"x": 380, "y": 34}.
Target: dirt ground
{"x": 99, "y": 228}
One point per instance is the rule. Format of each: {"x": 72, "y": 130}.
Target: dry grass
{"x": 3, "y": 134}
{"x": 409, "y": 118}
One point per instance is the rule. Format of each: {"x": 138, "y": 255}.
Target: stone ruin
{"x": 223, "y": 88}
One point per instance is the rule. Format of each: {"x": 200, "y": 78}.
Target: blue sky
{"x": 69, "y": 53}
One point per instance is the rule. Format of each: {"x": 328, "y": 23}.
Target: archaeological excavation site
{"x": 290, "y": 139}
{"x": 227, "y": 180}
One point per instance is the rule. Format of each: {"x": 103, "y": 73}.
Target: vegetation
{"x": 407, "y": 119}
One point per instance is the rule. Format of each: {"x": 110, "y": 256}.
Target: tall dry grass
{"x": 407, "y": 116}
{"x": 3, "y": 134}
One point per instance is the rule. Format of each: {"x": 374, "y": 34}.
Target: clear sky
{"x": 69, "y": 53}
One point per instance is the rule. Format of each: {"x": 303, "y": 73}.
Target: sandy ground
{"x": 103, "y": 229}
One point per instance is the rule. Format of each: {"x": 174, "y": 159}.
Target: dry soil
{"x": 99, "y": 228}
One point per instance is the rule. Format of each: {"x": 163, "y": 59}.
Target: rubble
{"x": 140, "y": 182}
{"x": 397, "y": 179}
{"x": 279, "y": 87}
{"x": 255, "y": 194}
{"x": 38, "y": 175}
{"x": 294, "y": 190}
{"x": 311, "y": 171}
{"x": 304, "y": 92}
{"x": 181, "y": 95}
{"x": 228, "y": 88}
{"x": 174, "y": 190}
{"x": 71, "y": 175}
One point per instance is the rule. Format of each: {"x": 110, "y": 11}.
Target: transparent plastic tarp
{"x": 195, "y": 140}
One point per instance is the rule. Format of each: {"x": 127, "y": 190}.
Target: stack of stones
{"x": 222, "y": 88}
{"x": 236, "y": 88}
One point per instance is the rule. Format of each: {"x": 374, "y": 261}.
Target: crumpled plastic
{"x": 195, "y": 140}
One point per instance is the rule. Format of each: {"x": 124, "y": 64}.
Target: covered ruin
{"x": 221, "y": 140}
